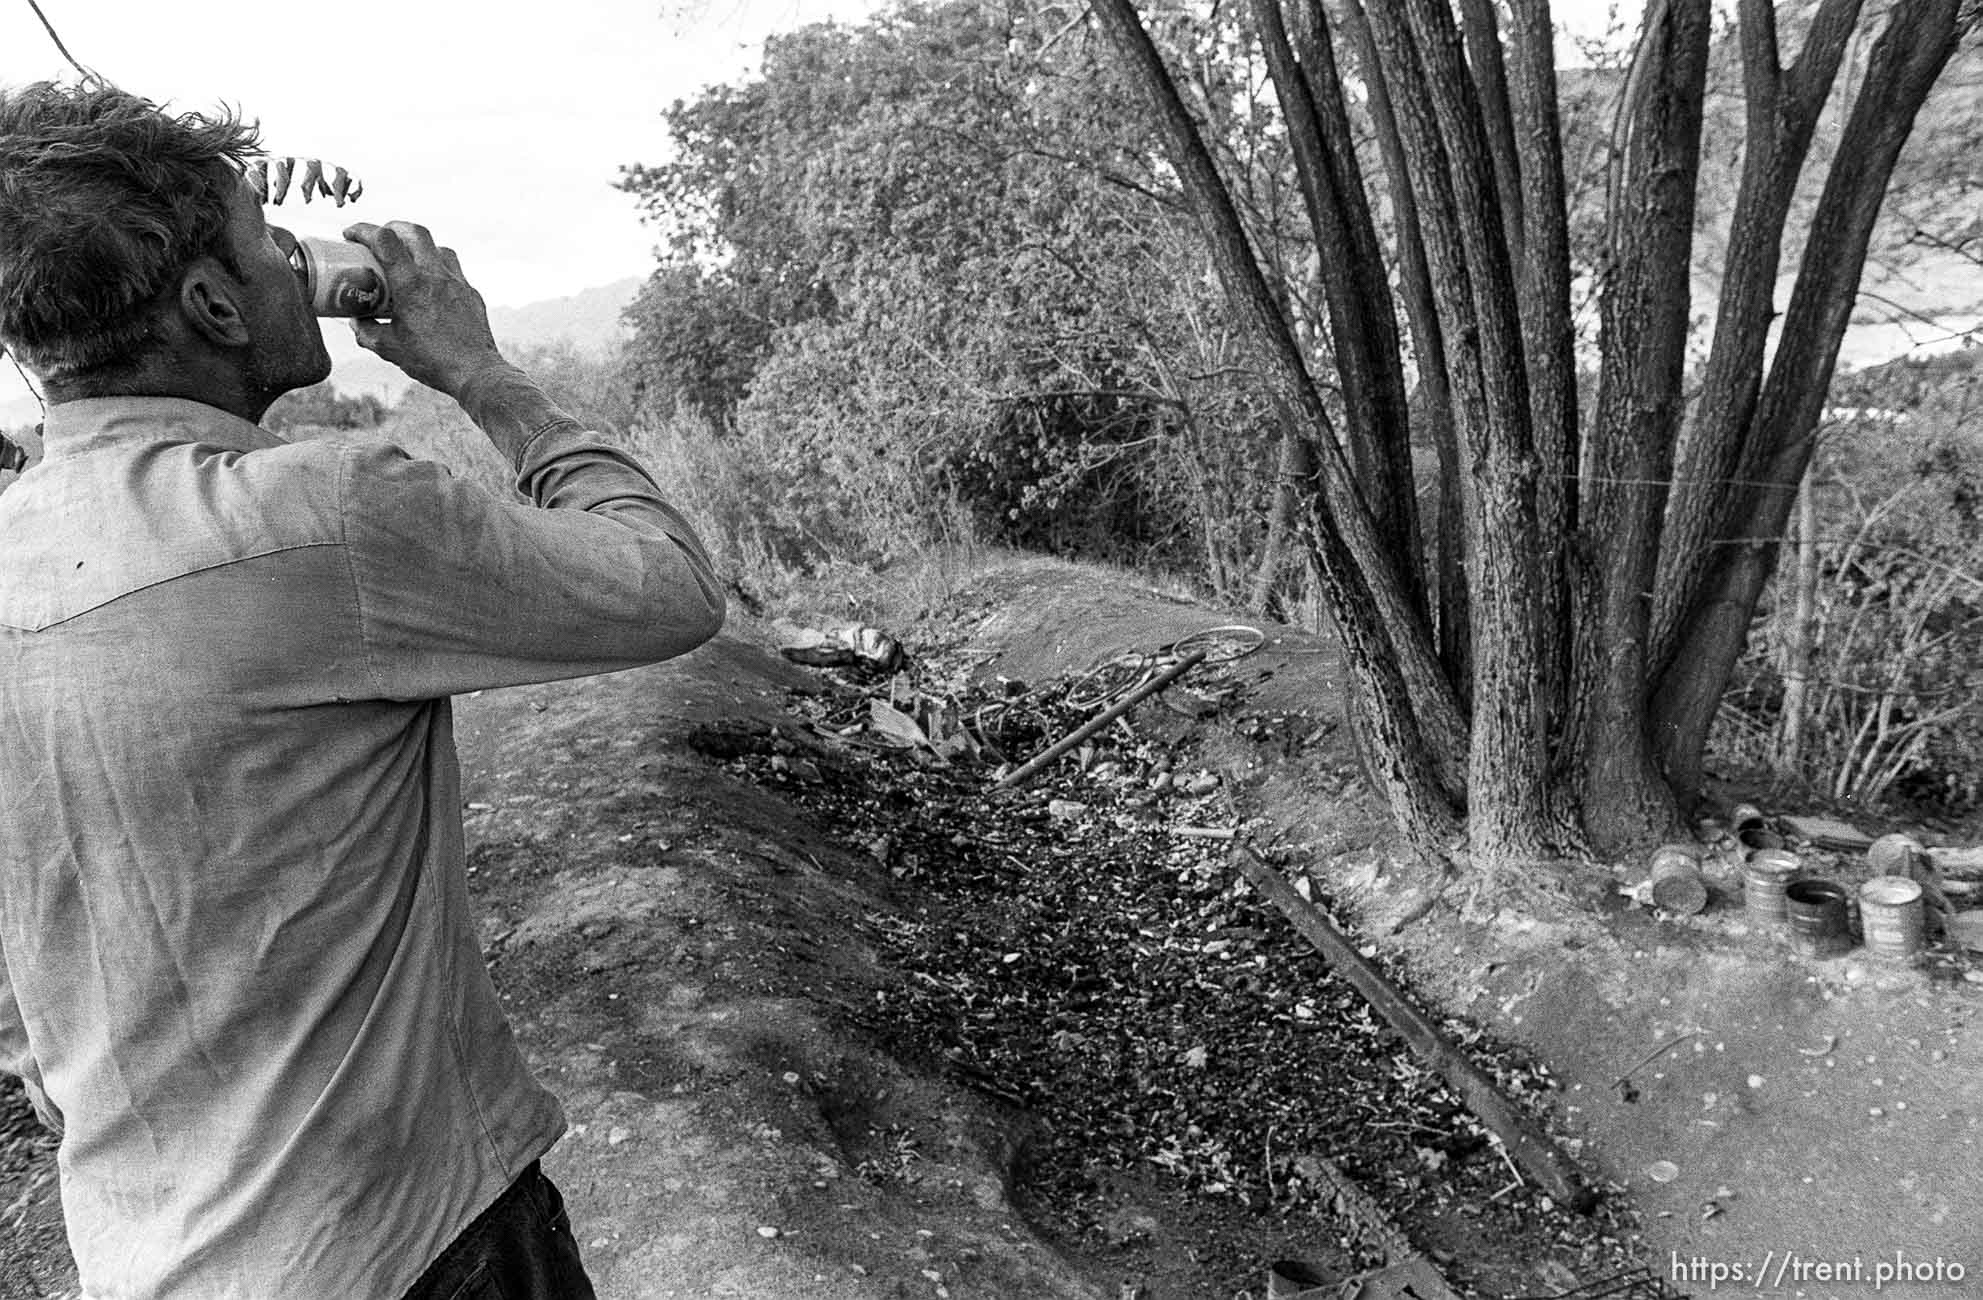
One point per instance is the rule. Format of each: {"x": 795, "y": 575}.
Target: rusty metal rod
{"x": 1038, "y": 763}
{"x": 1520, "y": 1136}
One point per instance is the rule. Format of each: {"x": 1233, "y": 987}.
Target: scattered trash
{"x": 840, "y": 645}
{"x": 1892, "y": 913}
{"x": 1676, "y": 885}
{"x": 1034, "y": 766}
{"x": 1897, "y": 855}
{"x": 1082, "y": 948}
{"x": 1827, "y": 834}
{"x": 1756, "y": 839}
{"x": 1292, "y": 1279}
{"x": 1768, "y": 873}
{"x": 1662, "y": 1171}
{"x": 1199, "y": 783}
{"x": 1623, "y": 1083}
{"x": 1816, "y": 913}
{"x": 895, "y": 726}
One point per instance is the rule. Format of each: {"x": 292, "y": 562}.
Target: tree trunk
{"x": 1783, "y": 112}
{"x": 1363, "y": 329}
{"x": 1293, "y": 466}
{"x": 1591, "y": 673}
{"x": 1905, "y": 62}
{"x": 1549, "y": 343}
{"x": 1360, "y": 572}
{"x": 1801, "y": 642}
{"x": 1490, "y": 77}
{"x": 1420, "y": 50}
{"x": 1432, "y": 401}
{"x": 1645, "y": 316}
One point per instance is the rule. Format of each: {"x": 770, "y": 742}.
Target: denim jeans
{"x": 520, "y": 1248}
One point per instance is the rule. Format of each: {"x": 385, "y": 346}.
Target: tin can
{"x": 1893, "y": 915}
{"x": 1816, "y": 912}
{"x": 341, "y": 278}
{"x": 1677, "y": 886}
{"x": 1767, "y": 875}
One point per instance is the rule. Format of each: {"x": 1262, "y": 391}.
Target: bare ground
{"x": 693, "y": 952}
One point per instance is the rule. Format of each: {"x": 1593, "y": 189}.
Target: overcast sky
{"x": 501, "y": 127}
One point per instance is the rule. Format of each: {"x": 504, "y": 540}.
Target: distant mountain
{"x": 589, "y": 320}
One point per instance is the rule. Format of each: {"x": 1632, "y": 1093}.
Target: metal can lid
{"x": 1890, "y": 891}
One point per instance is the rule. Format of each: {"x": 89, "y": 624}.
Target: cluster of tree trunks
{"x": 1545, "y": 684}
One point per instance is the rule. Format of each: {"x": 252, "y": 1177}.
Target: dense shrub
{"x": 1889, "y": 638}
{"x": 324, "y": 406}
{"x": 926, "y": 266}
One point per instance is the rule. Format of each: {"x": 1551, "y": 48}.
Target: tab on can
{"x": 341, "y": 278}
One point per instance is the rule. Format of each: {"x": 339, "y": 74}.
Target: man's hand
{"x": 439, "y": 332}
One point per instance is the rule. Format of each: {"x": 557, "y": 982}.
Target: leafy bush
{"x": 1871, "y": 688}
{"x": 323, "y": 406}
{"x": 925, "y": 267}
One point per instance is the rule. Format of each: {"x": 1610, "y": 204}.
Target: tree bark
{"x": 1782, "y": 115}
{"x": 1490, "y": 77}
{"x": 1363, "y": 331}
{"x": 1907, "y": 59}
{"x": 1293, "y": 466}
{"x": 1549, "y": 343}
{"x": 1801, "y": 640}
{"x": 1509, "y": 813}
{"x": 1645, "y": 316}
{"x": 1433, "y": 416}
{"x": 1383, "y": 631}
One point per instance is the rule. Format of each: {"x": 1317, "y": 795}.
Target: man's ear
{"x": 210, "y": 304}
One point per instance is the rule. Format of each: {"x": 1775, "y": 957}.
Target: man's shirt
{"x": 237, "y": 964}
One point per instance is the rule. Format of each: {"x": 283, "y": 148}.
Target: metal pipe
{"x": 1038, "y": 763}
{"x": 1523, "y": 1139}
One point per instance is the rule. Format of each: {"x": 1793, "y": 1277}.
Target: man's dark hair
{"x": 105, "y": 200}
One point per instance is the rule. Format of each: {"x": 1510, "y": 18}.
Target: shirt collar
{"x": 86, "y": 424}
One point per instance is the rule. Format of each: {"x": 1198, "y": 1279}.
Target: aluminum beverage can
{"x": 341, "y": 278}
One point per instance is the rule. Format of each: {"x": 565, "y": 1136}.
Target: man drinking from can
{"x": 237, "y": 966}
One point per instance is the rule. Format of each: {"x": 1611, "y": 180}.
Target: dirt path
{"x": 1821, "y": 1118}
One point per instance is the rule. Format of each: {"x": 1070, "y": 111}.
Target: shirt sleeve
{"x": 458, "y": 591}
